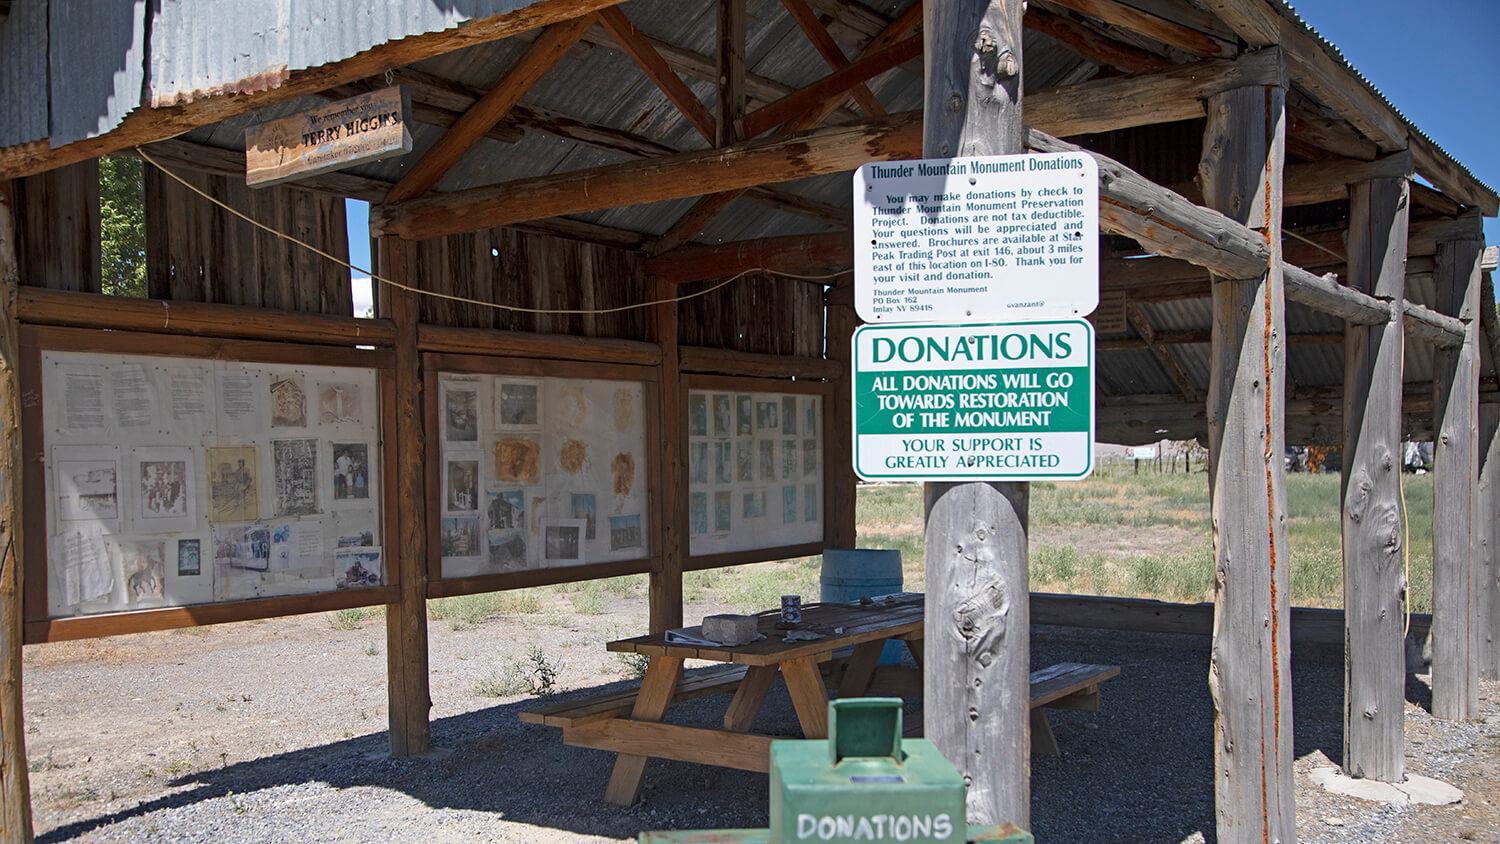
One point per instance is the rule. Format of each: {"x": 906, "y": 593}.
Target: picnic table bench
{"x": 629, "y": 721}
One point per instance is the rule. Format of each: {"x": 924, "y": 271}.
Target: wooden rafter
{"x": 1310, "y": 184}
{"x": 491, "y": 108}
{"x": 832, "y": 150}
{"x": 1175, "y": 94}
{"x": 731, "y": 89}
{"x": 798, "y": 254}
{"x": 830, "y": 89}
{"x": 894, "y": 32}
{"x": 690, "y": 224}
{"x": 1184, "y": 38}
{"x": 1090, "y": 43}
{"x": 831, "y": 52}
{"x": 658, "y": 71}
{"x": 1164, "y": 355}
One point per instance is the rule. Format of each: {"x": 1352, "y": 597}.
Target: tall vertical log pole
{"x": 839, "y": 516}
{"x": 665, "y": 590}
{"x": 1250, "y": 671}
{"x": 406, "y": 620}
{"x": 978, "y": 646}
{"x": 1487, "y": 542}
{"x": 15, "y": 788}
{"x": 1374, "y": 579}
{"x": 1455, "y": 628}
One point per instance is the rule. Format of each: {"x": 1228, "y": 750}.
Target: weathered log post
{"x": 1455, "y": 459}
{"x": 665, "y": 589}
{"x": 1370, "y": 488}
{"x": 839, "y": 516}
{"x": 978, "y": 648}
{"x": 406, "y": 620}
{"x": 1487, "y": 541}
{"x": 1250, "y": 672}
{"x": 15, "y": 787}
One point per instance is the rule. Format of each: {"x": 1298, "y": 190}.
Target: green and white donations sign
{"x": 999, "y": 401}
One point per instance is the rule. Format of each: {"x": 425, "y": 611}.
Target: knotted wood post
{"x": 1455, "y": 460}
{"x": 1374, "y": 579}
{"x": 15, "y": 787}
{"x": 1487, "y": 541}
{"x": 670, "y": 536}
{"x": 1250, "y": 672}
{"x": 978, "y": 647}
{"x": 839, "y": 516}
{"x": 408, "y": 692}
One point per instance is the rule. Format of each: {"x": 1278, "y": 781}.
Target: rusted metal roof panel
{"x": 96, "y": 63}
{"x": 23, "y": 74}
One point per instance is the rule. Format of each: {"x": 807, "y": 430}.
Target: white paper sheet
{"x": 81, "y": 567}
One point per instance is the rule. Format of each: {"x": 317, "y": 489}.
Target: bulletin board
{"x": 205, "y": 473}
{"x": 755, "y": 465}
{"x": 538, "y": 476}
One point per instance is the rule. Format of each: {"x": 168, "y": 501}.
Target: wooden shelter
{"x": 1272, "y": 274}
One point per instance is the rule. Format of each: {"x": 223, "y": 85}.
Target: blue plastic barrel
{"x": 853, "y": 573}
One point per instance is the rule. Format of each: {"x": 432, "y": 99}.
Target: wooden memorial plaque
{"x": 1109, "y": 317}
{"x": 368, "y": 127}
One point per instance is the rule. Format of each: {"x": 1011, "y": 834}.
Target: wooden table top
{"x": 840, "y": 625}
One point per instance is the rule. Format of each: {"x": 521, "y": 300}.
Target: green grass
{"x": 462, "y": 612}
{"x": 1150, "y": 535}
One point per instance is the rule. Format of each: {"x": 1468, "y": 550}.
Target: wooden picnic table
{"x": 865, "y": 627}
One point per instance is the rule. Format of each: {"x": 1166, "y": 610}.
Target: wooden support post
{"x": 977, "y": 674}
{"x": 406, "y": 620}
{"x": 1250, "y": 675}
{"x": 1455, "y": 685}
{"x": 731, "y": 111}
{"x": 1374, "y": 580}
{"x": 15, "y": 788}
{"x": 1487, "y": 542}
{"x": 840, "y": 519}
{"x": 671, "y": 535}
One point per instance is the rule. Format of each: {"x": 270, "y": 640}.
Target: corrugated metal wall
{"x": 23, "y": 56}
{"x": 96, "y": 60}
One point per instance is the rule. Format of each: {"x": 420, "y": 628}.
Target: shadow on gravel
{"x": 1139, "y": 770}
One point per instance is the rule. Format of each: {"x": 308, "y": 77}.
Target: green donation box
{"x": 864, "y": 783}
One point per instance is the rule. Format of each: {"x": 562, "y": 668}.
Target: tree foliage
{"x": 122, "y": 225}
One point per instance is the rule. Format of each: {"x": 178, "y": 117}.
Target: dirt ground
{"x": 269, "y": 731}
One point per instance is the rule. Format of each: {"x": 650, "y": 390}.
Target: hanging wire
{"x": 465, "y": 300}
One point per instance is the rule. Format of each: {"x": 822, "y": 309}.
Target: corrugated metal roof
{"x": 97, "y": 61}
{"x": 23, "y": 57}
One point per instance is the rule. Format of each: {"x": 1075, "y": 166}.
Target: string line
{"x": 465, "y": 300}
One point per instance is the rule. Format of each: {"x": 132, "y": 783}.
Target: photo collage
{"x": 755, "y": 470}
{"x": 176, "y": 481}
{"x": 539, "y": 473}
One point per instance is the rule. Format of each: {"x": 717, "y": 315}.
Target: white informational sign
{"x": 1004, "y": 401}
{"x": 1011, "y": 237}
{"x": 1141, "y": 452}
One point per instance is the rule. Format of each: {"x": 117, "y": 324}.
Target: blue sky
{"x": 1437, "y": 62}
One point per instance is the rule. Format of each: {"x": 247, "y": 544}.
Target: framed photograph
{"x": 723, "y": 416}
{"x": 698, "y": 463}
{"x": 288, "y": 403}
{"x": 295, "y": 467}
{"x": 562, "y": 541}
{"x": 743, "y": 422}
{"x": 697, "y": 415}
{"x": 518, "y": 460}
{"x": 461, "y": 486}
{"x": 339, "y": 404}
{"x": 724, "y": 462}
{"x": 233, "y": 484}
{"x": 459, "y": 537}
{"x": 351, "y": 472}
{"x": 584, "y": 508}
{"x": 754, "y": 504}
{"x": 624, "y": 532}
{"x": 810, "y": 417}
{"x": 810, "y": 503}
{"x": 243, "y": 547}
{"x": 166, "y": 497}
{"x": 809, "y": 457}
{"x": 189, "y": 561}
{"x": 767, "y": 449}
{"x": 698, "y": 512}
{"x": 87, "y": 485}
{"x": 143, "y": 564}
{"x": 517, "y": 404}
{"x": 789, "y": 467}
{"x": 744, "y": 460}
{"x": 460, "y": 410}
{"x": 507, "y": 549}
{"x": 788, "y": 505}
{"x": 723, "y": 507}
{"x": 357, "y": 568}
{"x": 505, "y": 510}
{"x": 766, "y": 416}
{"x": 789, "y": 415}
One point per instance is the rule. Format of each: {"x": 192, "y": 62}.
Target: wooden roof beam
{"x": 477, "y": 121}
{"x": 1163, "y": 355}
{"x": 831, "y": 52}
{"x": 1090, "y": 43}
{"x": 802, "y": 254}
{"x": 830, "y": 90}
{"x": 747, "y": 164}
{"x": 1104, "y": 105}
{"x": 658, "y": 71}
{"x": 1325, "y": 181}
{"x": 730, "y": 124}
{"x": 1173, "y": 34}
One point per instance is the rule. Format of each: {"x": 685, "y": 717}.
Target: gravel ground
{"x": 274, "y": 731}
